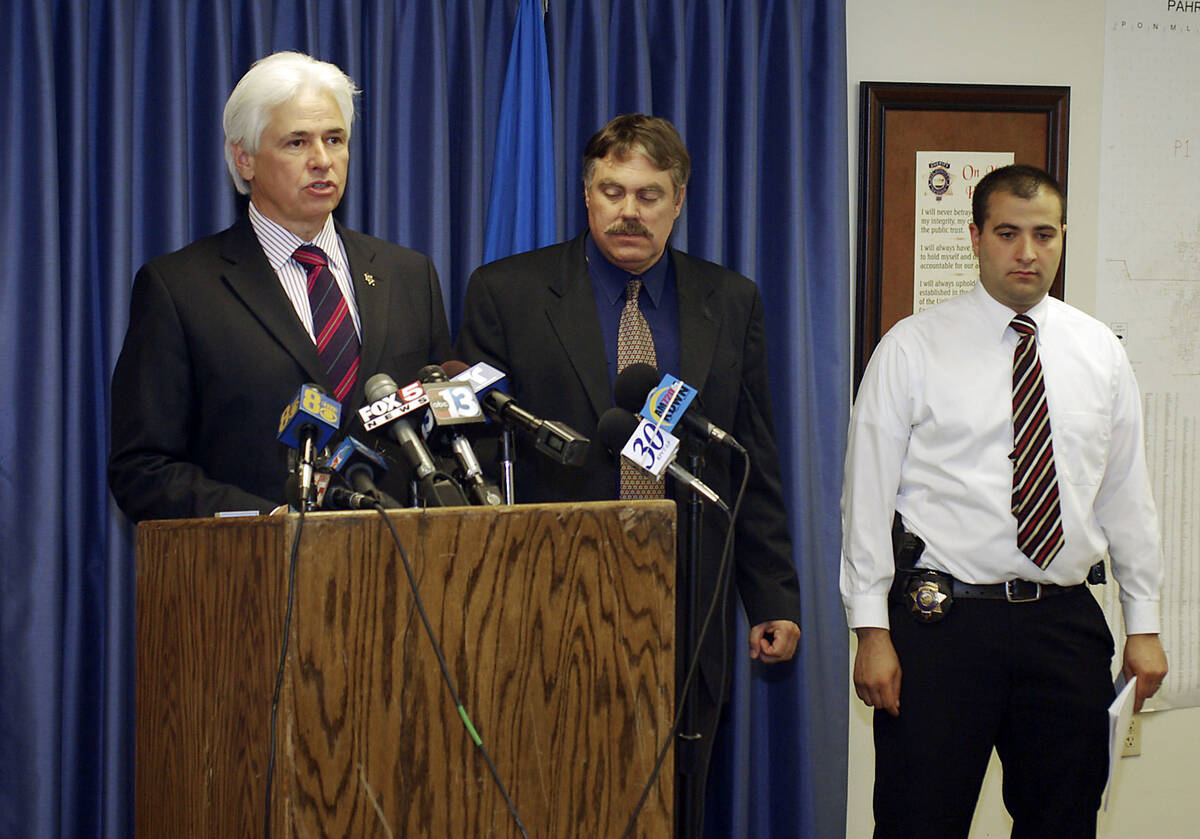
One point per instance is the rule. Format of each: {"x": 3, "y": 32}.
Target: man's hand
{"x": 1144, "y": 658}
{"x": 877, "y": 670}
{"x": 774, "y": 641}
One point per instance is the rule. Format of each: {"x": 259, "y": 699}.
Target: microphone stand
{"x": 506, "y": 465}
{"x": 689, "y": 737}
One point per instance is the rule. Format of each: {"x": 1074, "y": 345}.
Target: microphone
{"x": 455, "y": 368}
{"x": 556, "y": 440}
{"x": 444, "y": 414}
{"x": 360, "y": 466}
{"x": 482, "y": 376}
{"x": 617, "y": 426}
{"x": 665, "y": 400}
{"x": 306, "y": 425}
{"x": 336, "y": 497}
{"x": 340, "y": 498}
{"x": 382, "y": 387}
{"x": 437, "y": 488}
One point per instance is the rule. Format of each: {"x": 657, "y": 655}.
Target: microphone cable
{"x": 437, "y": 649}
{"x": 412, "y": 582}
{"x": 719, "y": 597}
{"x": 287, "y": 623}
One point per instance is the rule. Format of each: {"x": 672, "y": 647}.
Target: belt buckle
{"x": 1013, "y": 591}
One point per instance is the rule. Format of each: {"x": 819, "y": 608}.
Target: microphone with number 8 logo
{"x": 306, "y": 425}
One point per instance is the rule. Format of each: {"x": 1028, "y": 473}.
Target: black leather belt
{"x": 1014, "y": 591}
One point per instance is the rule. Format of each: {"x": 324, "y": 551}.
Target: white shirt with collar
{"x": 930, "y": 438}
{"x": 279, "y": 243}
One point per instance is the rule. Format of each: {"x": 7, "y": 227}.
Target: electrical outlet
{"x": 1132, "y": 747}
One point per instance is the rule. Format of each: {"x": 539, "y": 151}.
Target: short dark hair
{"x": 653, "y": 136}
{"x": 1022, "y": 180}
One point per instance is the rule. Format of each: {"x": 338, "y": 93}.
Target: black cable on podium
{"x": 718, "y": 599}
{"x": 437, "y": 649}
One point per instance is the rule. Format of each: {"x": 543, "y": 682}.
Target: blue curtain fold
{"x": 113, "y": 127}
{"x": 521, "y": 207}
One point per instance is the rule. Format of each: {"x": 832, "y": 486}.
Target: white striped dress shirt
{"x": 930, "y": 438}
{"x": 279, "y": 244}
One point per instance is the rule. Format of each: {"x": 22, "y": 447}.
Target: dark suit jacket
{"x": 214, "y": 353}
{"x": 534, "y": 316}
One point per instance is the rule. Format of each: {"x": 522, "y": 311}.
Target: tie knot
{"x": 1024, "y": 325}
{"x": 633, "y": 288}
{"x": 310, "y": 255}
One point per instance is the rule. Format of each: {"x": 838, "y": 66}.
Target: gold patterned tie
{"x": 635, "y": 345}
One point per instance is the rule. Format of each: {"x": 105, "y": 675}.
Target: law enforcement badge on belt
{"x": 928, "y": 595}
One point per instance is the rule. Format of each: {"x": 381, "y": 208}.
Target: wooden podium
{"x": 557, "y": 623}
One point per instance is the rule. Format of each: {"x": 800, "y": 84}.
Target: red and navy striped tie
{"x": 1035, "y": 481}
{"x": 337, "y": 342}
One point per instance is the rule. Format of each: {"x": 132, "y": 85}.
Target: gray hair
{"x": 269, "y": 83}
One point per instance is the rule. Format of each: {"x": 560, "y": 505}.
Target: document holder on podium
{"x": 557, "y": 622}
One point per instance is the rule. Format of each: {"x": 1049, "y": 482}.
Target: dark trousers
{"x": 1031, "y": 680}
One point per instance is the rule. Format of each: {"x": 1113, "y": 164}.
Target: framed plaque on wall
{"x": 922, "y": 147}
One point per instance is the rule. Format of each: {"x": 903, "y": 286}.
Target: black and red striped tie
{"x": 337, "y": 342}
{"x": 1035, "y": 481}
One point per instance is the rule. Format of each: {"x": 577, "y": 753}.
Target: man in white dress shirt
{"x": 965, "y": 642}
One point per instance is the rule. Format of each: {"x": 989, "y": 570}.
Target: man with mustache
{"x": 995, "y": 455}
{"x": 223, "y": 332}
{"x": 563, "y": 321}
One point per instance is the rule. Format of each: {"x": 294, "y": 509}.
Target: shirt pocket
{"x": 1081, "y": 442}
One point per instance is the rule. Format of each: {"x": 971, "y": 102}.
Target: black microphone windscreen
{"x": 615, "y": 428}
{"x": 431, "y": 373}
{"x": 291, "y": 491}
{"x": 633, "y": 384}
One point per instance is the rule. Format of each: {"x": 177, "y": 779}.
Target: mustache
{"x": 629, "y": 227}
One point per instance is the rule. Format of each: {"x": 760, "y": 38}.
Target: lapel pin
{"x": 369, "y": 279}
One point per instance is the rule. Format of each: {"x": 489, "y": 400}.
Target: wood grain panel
{"x": 207, "y": 645}
{"x": 556, "y": 622}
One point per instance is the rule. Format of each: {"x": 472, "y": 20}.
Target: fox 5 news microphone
{"x": 386, "y": 409}
{"x": 649, "y": 448}
{"x": 452, "y": 404}
{"x": 306, "y": 425}
{"x": 666, "y": 401}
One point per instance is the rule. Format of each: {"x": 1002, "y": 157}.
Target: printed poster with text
{"x": 1148, "y": 291}
{"x": 943, "y": 262}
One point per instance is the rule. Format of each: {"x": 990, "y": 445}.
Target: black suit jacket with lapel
{"x": 214, "y": 353}
{"x": 534, "y": 316}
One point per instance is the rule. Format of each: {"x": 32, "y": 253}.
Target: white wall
{"x": 1045, "y": 43}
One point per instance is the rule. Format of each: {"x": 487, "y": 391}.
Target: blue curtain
{"x": 521, "y": 209}
{"x": 112, "y": 126}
